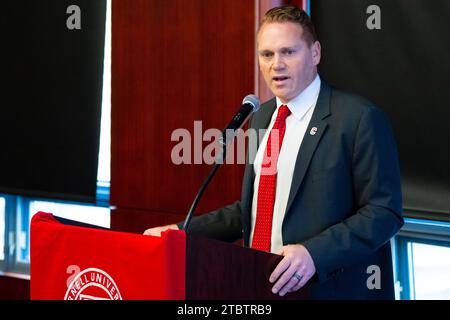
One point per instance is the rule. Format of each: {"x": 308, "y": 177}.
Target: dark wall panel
{"x": 51, "y": 98}
{"x": 404, "y": 68}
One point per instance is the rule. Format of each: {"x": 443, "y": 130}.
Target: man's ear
{"x": 316, "y": 52}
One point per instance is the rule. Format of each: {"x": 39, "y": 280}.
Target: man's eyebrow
{"x": 289, "y": 48}
{"x": 280, "y": 49}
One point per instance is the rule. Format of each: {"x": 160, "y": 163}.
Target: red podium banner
{"x": 79, "y": 263}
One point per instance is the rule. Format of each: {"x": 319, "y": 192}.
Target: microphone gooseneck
{"x": 249, "y": 105}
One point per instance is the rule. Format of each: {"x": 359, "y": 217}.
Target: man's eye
{"x": 289, "y": 52}
{"x": 266, "y": 54}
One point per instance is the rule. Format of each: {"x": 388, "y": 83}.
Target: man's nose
{"x": 278, "y": 62}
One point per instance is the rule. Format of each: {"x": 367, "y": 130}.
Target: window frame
{"x": 17, "y": 217}
{"x": 420, "y": 231}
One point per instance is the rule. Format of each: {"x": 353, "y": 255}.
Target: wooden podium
{"x": 218, "y": 270}
{"x": 74, "y": 261}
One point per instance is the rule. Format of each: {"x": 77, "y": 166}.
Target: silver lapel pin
{"x": 313, "y": 131}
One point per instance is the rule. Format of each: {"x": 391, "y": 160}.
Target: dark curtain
{"x": 51, "y": 98}
{"x": 404, "y": 68}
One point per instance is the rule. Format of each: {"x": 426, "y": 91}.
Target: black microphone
{"x": 249, "y": 105}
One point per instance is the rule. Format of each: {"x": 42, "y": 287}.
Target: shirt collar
{"x": 300, "y": 105}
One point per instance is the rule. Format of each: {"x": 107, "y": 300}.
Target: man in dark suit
{"x": 324, "y": 187}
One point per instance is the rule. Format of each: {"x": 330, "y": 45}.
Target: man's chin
{"x": 281, "y": 95}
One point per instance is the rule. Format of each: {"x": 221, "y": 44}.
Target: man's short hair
{"x": 295, "y": 15}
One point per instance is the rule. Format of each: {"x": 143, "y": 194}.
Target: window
{"x": 89, "y": 214}
{"x": 104, "y": 158}
{"x": 84, "y": 213}
{"x": 422, "y": 260}
{"x": 430, "y": 271}
{"x": 2, "y": 228}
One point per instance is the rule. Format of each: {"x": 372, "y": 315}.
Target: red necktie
{"x": 267, "y": 183}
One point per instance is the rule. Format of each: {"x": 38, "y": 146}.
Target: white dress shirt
{"x": 302, "y": 108}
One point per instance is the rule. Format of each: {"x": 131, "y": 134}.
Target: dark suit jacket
{"x": 345, "y": 201}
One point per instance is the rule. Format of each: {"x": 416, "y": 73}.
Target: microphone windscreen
{"x": 253, "y": 100}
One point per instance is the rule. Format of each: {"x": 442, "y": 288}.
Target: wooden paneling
{"x": 297, "y": 3}
{"x": 242, "y": 272}
{"x": 14, "y": 288}
{"x": 137, "y": 221}
{"x": 174, "y": 62}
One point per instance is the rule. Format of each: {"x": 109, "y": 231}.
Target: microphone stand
{"x": 250, "y": 104}
{"x": 203, "y": 187}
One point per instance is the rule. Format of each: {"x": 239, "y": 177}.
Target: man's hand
{"x": 292, "y": 273}
{"x": 157, "y": 230}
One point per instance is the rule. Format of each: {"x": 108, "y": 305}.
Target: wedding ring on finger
{"x": 298, "y": 277}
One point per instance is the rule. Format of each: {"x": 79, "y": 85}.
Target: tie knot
{"x": 283, "y": 113}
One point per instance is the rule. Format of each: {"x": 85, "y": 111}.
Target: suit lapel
{"x": 310, "y": 141}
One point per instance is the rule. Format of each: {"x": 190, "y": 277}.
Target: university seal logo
{"x": 92, "y": 284}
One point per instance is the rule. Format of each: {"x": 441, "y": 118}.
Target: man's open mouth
{"x": 280, "y": 78}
